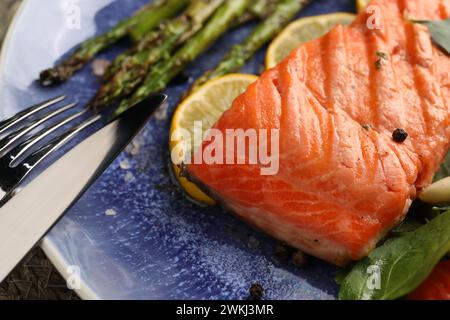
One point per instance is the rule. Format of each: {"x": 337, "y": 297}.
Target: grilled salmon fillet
{"x": 343, "y": 182}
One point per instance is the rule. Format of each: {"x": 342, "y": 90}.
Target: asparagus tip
{"x": 97, "y": 103}
{"x": 51, "y": 77}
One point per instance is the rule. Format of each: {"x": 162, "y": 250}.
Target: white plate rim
{"x": 62, "y": 266}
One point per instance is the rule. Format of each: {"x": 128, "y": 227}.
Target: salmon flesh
{"x": 343, "y": 182}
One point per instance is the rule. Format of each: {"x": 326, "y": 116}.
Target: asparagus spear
{"x": 260, "y": 9}
{"x": 144, "y": 20}
{"x": 161, "y": 43}
{"x": 241, "y": 53}
{"x": 164, "y": 71}
{"x": 128, "y": 57}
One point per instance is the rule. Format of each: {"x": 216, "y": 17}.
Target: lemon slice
{"x": 361, "y": 4}
{"x": 301, "y": 31}
{"x": 206, "y": 104}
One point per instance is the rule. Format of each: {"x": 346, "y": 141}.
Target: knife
{"x": 31, "y": 213}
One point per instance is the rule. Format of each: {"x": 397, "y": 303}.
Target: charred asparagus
{"x": 156, "y": 46}
{"x": 164, "y": 71}
{"x": 143, "y": 21}
{"x": 260, "y": 9}
{"x": 241, "y": 53}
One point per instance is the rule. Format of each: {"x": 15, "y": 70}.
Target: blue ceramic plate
{"x": 133, "y": 235}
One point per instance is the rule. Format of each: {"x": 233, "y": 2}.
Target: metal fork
{"x": 19, "y": 139}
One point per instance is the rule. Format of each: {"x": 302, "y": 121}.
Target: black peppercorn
{"x": 282, "y": 252}
{"x": 299, "y": 259}
{"x": 399, "y": 135}
{"x": 256, "y": 291}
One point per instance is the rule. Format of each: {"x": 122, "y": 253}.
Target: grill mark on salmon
{"x": 342, "y": 187}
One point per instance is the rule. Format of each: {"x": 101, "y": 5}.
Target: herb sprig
{"x": 399, "y": 265}
{"x": 439, "y": 31}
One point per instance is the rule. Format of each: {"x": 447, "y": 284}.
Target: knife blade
{"x": 31, "y": 213}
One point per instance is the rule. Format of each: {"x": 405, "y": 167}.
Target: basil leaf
{"x": 444, "y": 170}
{"x": 440, "y": 32}
{"x": 340, "y": 275}
{"x": 407, "y": 226}
{"x": 400, "y": 265}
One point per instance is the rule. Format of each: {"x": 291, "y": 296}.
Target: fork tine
{"x": 24, "y": 146}
{"x": 36, "y": 157}
{"x": 15, "y": 136}
{"x": 25, "y": 167}
{"x": 10, "y": 122}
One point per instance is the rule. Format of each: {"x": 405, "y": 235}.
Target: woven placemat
{"x": 35, "y": 277}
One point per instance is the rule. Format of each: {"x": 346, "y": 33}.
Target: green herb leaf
{"x": 340, "y": 275}
{"x": 400, "y": 265}
{"x": 444, "y": 171}
{"x": 409, "y": 225}
{"x": 440, "y": 32}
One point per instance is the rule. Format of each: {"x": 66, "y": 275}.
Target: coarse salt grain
{"x": 110, "y": 212}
